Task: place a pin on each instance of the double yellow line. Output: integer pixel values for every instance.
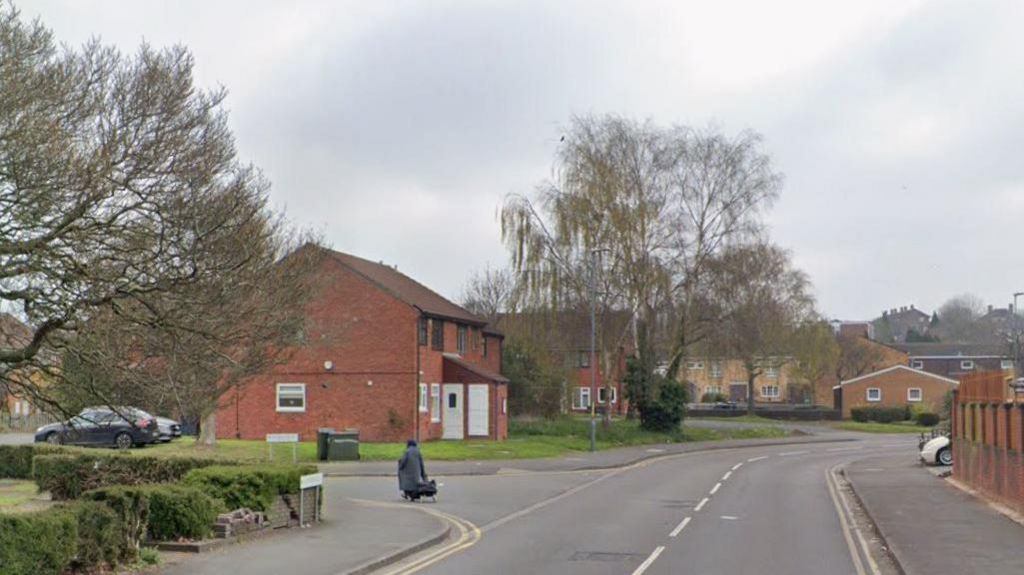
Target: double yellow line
(848, 521)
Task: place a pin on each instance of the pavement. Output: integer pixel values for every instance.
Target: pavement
(931, 526)
(15, 438)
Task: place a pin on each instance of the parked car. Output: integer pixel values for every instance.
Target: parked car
(938, 451)
(169, 429)
(103, 427)
(725, 405)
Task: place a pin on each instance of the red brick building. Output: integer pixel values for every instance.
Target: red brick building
(895, 386)
(383, 354)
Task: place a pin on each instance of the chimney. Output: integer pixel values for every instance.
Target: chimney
(989, 308)
(1010, 306)
(911, 306)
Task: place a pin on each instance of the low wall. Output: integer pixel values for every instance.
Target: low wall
(782, 414)
(988, 450)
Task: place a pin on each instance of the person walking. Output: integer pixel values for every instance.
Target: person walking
(412, 475)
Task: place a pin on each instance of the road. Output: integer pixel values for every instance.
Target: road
(764, 510)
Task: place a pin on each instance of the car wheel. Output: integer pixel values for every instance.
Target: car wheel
(123, 440)
(53, 438)
(945, 456)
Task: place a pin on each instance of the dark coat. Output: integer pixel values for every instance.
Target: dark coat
(411, 473)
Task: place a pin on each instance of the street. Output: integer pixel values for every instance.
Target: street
(752, 510)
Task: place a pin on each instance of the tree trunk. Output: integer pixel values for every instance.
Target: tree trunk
(208, 430)
(750, 395)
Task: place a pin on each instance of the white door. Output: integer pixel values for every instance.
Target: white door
(452, 422)
(479, 409)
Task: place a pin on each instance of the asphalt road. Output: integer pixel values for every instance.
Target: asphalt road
(765, 510)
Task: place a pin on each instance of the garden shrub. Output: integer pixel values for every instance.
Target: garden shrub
(131, 505)
(160, 512)
(38, 543)
(880, 414)
(100, 539)
(927, 419)
(666, 413)
(66, 476)
(859, 414)
(252, 486)
(713, 397)
(16, 460)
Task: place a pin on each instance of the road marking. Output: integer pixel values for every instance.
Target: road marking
(682, 525)
(715, 489)
(785, 453)
(655, 450)
(727, 475)
(753, 459)
(701, 504)
(845, 448)
(845, 520)
(729, 517)
(647, 563)
(737, 466)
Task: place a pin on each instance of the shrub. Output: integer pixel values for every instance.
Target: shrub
(16, 460)
(859, 414)
(131, 506)
(251, 486)
(160, 512)
(713, 397)
(66, 476)
(39, 543)
(880, 414)
(927, 419)
(100, 540)
(665, 414)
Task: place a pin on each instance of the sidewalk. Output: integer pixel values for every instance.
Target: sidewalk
(352, 536)
(605, 459)
(931, 526)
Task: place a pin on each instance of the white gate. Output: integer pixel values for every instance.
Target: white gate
(452, 422)
(479, 410)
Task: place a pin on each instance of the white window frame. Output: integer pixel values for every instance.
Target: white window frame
(577, 398)
(290, 388)
(876, 389)
(435, 402)
(967, 364)
(694, 365)
(713, 388)
(1006, 364)
(771, 372)
(920, 394)
(602, 393)
(424, 407)
(917, 364)
(773, 395)
(716, 370)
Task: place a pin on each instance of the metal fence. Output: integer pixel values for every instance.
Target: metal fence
(24, 423)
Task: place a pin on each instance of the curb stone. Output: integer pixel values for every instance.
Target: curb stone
(886, 541)
(395, 557)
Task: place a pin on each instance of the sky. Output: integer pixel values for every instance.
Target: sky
(395, 129)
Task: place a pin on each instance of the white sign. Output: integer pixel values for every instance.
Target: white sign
(282, 438)
(1018, 385)
(314, 480)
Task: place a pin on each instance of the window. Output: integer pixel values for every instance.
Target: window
(453, 400)
(967, 365)
(695, 365)
(423, 397)
(771, 371)
(291, 397)
(475, 338)
(581, 399)
(423, 331)
(716, 370)
(917, 364)
(602, 394)
(583, 359)
(460, 340)
(437, 334)
(504, 406)
(914, 394)
(485, 345)
(1006, 364)
(713, 389)
(770, 391)
(435, 402)
(874, 394)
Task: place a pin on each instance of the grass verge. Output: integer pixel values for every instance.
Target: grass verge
(16, 494)
(873, 427)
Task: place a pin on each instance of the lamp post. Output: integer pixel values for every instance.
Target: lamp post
(594, 254)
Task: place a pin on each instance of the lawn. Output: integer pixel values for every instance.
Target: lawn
(17, 495)
(744, 419)
(527, 440)
(874, 427)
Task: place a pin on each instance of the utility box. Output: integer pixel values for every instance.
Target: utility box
(343, 445)
(322, 435)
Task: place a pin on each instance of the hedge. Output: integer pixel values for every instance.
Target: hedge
(927, 419)
(880, 414)
(251, 486)
(158, 513)
(16, 460)
(67, 476)
(81, 536)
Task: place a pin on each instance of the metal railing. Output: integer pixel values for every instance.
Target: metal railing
(24, 423)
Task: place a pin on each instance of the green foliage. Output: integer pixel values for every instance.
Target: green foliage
(160, 512)
(66, 476)
(100, 535)
(149, 556)
(713, 397)
(666, 413)
(255, 487)
(39, 543)
(534, 387)
(880, 414)
(131, 505)
(927, 419)
(16, 460)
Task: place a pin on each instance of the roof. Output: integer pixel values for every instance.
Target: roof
(894, 368)
(478, 370)
(952, 350)
(405, 288)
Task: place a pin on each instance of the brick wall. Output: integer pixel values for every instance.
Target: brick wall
(894, 385)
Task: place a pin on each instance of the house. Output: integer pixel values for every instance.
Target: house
(895, 386)
(380, 353)
(15, 334)
(566, 337)
(777, 382)
(954, 360)
(894, 324)
(852, 328)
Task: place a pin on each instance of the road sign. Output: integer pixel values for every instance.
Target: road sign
(282, 438)
(312, 480)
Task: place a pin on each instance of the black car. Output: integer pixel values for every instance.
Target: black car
(103, 427)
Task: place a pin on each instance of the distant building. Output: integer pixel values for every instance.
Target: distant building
(776, 384)
(894, 324)
(895, 386)
(955, 360)
(853, 328)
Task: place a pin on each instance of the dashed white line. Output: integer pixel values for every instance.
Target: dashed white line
(730, 517)
(682, 525)
(647, 563)
(701, 505)
(845, 448)
(727, 475)
(753, 459)
(737, 466)
(785, 453)
(715, 489)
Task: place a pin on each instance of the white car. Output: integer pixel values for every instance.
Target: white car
(937, 451)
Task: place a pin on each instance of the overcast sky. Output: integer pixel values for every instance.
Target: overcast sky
(395, 128)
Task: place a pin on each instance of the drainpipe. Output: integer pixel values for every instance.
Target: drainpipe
(416, 410)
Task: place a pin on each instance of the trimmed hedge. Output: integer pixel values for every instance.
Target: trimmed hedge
(100, 540)
(927, 419)
(16, 460)
(81, 536)
(67, 476)
(880, 414)
(158, 513)
(252, 486)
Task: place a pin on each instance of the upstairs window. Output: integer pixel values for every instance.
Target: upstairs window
(460, 340)
(583, 359)
(437, 334)
(423, 331)
(917, 364)
(1006, 364)
(695, 365)
(967, 365)
(716, 369)
(771, 371)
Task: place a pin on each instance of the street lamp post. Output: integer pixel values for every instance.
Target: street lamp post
(593, 349)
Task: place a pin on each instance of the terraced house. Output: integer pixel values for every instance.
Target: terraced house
(777, 383)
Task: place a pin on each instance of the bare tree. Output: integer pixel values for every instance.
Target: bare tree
(857, 356)
(958, 318)
(490, 292)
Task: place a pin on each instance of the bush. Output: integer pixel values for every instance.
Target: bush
(39, 543)
(251, 486)
(100, 540)
(666, 413)
(880, 414)
(859, 414)
(16, 460)
(161, 512)
(927, 419)
(67, 476)
(713, 397)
